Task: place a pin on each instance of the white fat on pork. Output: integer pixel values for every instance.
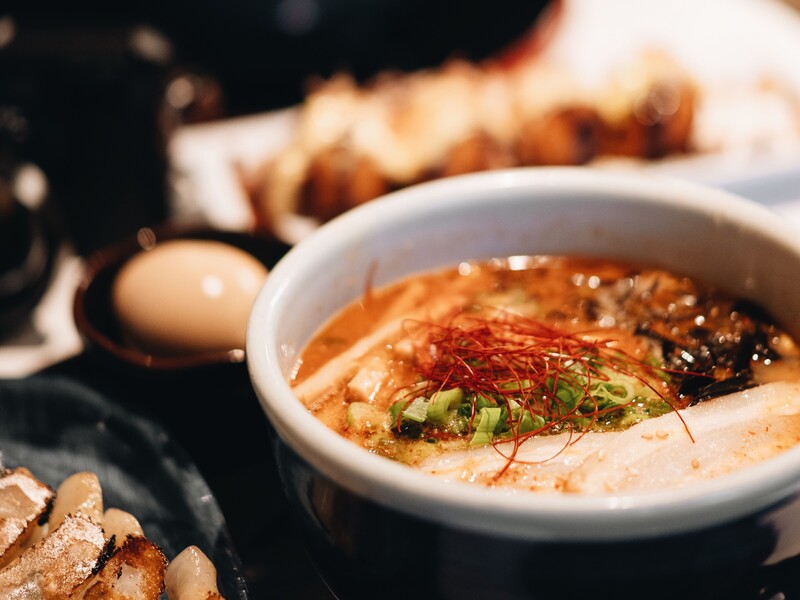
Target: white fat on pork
(727, 434)
(542, 463)
(708, 440)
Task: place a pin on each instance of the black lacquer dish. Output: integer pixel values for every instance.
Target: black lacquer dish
(56, 427)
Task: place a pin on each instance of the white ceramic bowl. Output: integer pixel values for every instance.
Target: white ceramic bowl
(718, 238)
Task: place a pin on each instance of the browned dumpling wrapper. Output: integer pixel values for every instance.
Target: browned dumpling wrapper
(62, 545)
(24, 502)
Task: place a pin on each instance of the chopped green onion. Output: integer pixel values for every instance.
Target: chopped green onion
(441, 402)
(615, 392)
(489, 417)
(482, 402)
(358, 413)
(394, 411)
(417, 410)
(529, 422)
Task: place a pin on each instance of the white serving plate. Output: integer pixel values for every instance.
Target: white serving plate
(205, 178)
(729, 47)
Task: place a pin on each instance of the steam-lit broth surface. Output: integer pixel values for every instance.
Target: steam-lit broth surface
(541, 372)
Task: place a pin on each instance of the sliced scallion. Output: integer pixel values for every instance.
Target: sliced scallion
(441, 402)
(488, 418)
(418, 410)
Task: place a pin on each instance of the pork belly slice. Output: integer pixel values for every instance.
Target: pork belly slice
(727, 433)
(192, 576)
(707, 440)
(133, 572)
(542, 463)
(24, 501)
(54, 567)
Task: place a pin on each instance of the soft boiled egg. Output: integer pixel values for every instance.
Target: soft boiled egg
(187, 296)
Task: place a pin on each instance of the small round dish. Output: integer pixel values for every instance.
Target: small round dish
(94, 313)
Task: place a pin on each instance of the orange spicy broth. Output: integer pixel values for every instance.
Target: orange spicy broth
(547, 343)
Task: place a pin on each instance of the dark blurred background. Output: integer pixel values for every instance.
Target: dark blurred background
(91, 92)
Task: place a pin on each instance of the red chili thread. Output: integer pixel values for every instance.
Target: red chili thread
(522, 359)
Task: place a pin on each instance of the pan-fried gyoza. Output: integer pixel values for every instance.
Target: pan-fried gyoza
(61, 545)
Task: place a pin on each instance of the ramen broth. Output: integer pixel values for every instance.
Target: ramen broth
(526, 371)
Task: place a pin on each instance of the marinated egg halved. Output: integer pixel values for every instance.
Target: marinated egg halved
(187, 296)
